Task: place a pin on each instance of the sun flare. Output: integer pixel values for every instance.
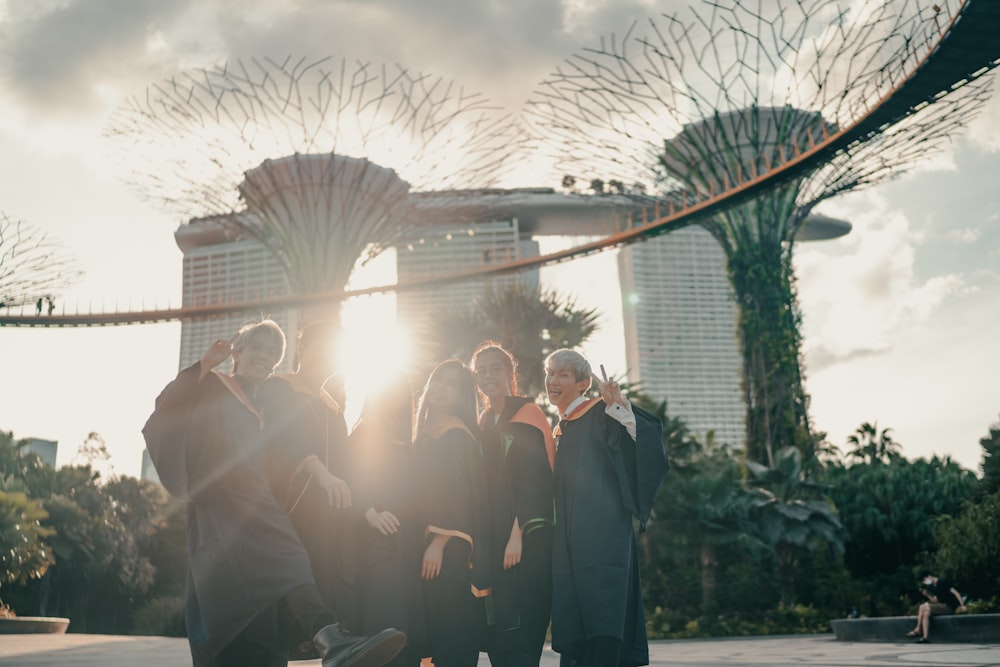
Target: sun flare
(373, 350)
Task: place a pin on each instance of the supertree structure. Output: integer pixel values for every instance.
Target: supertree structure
(689, 106)
(32, 267)
(315, 159)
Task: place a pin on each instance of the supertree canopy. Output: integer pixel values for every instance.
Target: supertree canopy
(698, 104)
(32, 267)
(314, 159)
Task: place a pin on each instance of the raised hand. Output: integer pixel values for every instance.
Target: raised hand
(220, 350)
(610, 391)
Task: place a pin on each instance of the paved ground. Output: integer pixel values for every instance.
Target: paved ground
(791, 651)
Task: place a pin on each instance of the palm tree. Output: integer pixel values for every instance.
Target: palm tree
(702, 506)
(792, 514)
(528, 321)
(873, 445)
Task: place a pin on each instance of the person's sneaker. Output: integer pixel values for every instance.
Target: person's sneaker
(338, 648)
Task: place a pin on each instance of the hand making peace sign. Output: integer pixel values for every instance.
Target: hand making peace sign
(610, 391)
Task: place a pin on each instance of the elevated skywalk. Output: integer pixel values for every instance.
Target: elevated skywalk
(959, 47)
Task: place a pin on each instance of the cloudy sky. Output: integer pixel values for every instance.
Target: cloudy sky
(900, 316)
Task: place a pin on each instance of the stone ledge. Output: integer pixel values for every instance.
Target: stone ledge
(959, 628)
(33, 625)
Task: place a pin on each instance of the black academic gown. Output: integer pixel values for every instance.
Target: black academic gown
(602, 480)
(389, 587)
(205, 439)
(452, 501)
(520, 485)
(301, 425)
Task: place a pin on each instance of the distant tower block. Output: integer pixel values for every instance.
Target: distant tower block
(218, 268)
(459, 248)
(680, 323)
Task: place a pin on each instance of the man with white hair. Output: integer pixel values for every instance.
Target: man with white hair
(609, 464)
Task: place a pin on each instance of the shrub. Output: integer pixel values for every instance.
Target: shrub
(162, 616)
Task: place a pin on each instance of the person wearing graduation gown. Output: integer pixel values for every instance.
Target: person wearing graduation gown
(246, 563)
(609, 464)
(308, 463)
(519, 450)
(390, 546)
(451, 501)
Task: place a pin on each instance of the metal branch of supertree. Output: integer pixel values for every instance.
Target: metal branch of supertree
(764, 109)
(697, 102)
(32, 266)
(314, 159)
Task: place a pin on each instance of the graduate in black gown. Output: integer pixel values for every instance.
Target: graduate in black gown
(246, 563)
(390, 542)
(609, 464)
(518, 450)
(308, 462)
(451, 501)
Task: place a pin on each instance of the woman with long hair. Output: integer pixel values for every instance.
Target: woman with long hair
(518, 450)
(452, 516)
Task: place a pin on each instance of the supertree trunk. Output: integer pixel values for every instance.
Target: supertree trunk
(770, 343)
(314, 160)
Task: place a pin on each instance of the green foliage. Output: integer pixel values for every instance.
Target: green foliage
(527, 321)
(112, 545)
(871, 445)
(889, 508)
(24, 555)
(790, 514)
(969, 548)
(161, 616)
(701, 507)
(763, 281)
(991, 460)
(782, 620)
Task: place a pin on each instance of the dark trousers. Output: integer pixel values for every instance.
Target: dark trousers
(456, 620)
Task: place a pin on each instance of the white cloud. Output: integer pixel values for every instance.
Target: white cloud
(859, 294)
(965, 235)
(984, 129)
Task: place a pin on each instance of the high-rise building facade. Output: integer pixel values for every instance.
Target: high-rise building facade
(455, 248)
(217, 269)
(680, 331)
(45, 449)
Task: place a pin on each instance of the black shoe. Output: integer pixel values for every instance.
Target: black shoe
(923, 640)
(338, 648)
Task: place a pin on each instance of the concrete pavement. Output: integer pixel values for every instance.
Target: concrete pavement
(73, 650)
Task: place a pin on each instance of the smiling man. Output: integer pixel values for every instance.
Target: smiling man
(247, 568)
(609, 464)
